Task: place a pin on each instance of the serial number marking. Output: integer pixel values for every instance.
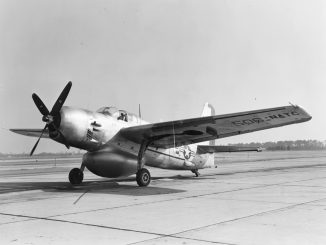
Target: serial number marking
(258, 120)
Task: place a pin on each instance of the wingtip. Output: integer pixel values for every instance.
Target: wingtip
(308, 116)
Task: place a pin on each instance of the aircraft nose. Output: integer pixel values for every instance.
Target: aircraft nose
(74, 124)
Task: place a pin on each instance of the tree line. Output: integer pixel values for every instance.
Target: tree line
(288, 145)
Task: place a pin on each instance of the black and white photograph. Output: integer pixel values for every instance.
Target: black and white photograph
(163, 122)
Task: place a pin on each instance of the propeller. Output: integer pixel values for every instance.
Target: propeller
(49, 117)
(38, 140)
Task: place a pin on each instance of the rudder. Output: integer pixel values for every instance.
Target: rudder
(208, 110)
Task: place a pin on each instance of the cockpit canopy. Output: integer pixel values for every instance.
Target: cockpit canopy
(108, 110)
(118, 114)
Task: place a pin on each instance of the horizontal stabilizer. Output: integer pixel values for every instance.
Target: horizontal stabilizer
(203, 149)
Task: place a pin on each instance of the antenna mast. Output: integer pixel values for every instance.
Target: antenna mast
(139, 114)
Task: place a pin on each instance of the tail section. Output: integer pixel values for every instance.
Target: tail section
(206, 160)
(208, 110)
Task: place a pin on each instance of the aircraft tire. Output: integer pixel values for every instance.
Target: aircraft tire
(143, 177)
(76, 176)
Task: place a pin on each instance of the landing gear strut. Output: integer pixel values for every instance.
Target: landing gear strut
(195, 171)
(143, 177)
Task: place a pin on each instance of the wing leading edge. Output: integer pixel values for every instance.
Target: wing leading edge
(31, 132)
(195, 130)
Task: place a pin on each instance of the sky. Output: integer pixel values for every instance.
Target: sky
(169, 56)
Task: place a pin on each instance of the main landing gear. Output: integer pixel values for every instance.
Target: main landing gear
(143, 177)
(76, 175)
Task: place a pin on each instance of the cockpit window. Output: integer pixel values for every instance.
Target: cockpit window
(114, 112)
(110, 111)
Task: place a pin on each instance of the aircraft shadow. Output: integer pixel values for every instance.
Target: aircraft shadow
(119, 186)
(104, 187)
(113, 187)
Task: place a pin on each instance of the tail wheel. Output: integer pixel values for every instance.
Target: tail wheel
(195, 171)
(76, 176)
(143, 177)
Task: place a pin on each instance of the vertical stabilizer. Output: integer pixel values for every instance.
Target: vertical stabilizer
(208, 110)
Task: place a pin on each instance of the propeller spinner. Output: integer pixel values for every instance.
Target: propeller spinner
(50, 117)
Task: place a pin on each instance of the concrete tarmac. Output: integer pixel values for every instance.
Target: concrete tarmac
(250, 198)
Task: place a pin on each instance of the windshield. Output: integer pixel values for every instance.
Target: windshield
(108, 110)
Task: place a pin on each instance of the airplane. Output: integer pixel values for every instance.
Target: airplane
(119, 143)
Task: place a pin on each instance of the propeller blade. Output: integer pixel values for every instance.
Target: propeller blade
(61, 100)
(38, 140)
(40, 105)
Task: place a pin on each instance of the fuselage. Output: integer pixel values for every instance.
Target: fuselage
(109, 156)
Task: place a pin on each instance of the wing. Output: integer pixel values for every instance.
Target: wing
(202, 149)
(32, 132)
(195, 130)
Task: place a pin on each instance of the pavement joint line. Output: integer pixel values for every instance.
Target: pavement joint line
(168, 200)
(175, 235)
(253, 176)
(268, 169)
(161, 235)
(284, 183)
(51, 218)
(194, 196)
(263, 170)
(270, 159)
(259, 201)
(250, 216)
(178, 237)
(17, 221)
(33, 218)
(317, 186)
(182, 198)
(199, 240)
(159, 201)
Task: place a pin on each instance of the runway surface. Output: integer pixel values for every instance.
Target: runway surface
(250, 198)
